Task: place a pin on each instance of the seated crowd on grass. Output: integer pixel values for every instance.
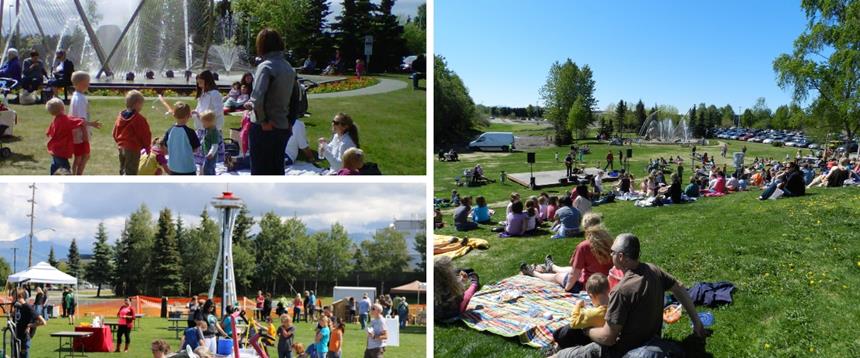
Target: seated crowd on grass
(271, 135)
(626, 320)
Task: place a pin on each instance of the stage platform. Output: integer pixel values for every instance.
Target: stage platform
(178, 83)
(552, 178)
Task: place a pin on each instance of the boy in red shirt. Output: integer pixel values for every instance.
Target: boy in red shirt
(63, 133)
(131, 133)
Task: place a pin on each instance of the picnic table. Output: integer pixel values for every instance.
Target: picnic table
(71, 336)
(174, 325)
(100, 341)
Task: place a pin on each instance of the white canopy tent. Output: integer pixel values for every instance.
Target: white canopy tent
(43, 272)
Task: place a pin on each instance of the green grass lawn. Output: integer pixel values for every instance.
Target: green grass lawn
(795, 262)
(521, 129)
(412, 339)
(392, 128)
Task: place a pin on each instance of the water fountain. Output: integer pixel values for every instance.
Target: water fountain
(665, 130)
(227, 52)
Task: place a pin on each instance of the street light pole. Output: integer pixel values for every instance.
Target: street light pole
(32, 202)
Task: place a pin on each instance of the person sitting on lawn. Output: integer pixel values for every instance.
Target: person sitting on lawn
(461, 215)
(675, 189)
(233, 95)
(452, 290)
(582, 203)
(12, 67)
(551, 208)
(515, 197)
(589, 257)
(532, 221)
(543, 205)
(790, 181)
(634, 314)
(515, 224)
(625, 183)
(481, 214)
(692, 190)
(63, 133)
(33, 73)
(345, 136)
(131, 133)
(181, 142)
(717, 184)
(572, 335)
(353, 161)
(567, 219)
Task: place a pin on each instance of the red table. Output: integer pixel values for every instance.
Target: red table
(101, 340)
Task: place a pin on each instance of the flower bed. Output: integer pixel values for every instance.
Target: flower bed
(348, 84)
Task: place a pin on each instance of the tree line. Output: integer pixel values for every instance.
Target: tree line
(306, 29)
(164, 256)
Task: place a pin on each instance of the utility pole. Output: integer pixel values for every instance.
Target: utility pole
(32, 216)
(14, 259)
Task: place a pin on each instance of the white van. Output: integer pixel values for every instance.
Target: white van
(504, 141)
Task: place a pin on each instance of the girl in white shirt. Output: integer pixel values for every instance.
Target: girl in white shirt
(345, 137)
(208, 99)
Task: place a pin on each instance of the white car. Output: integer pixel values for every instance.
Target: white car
(767, 141)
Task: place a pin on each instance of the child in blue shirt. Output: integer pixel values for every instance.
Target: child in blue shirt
(182, 142)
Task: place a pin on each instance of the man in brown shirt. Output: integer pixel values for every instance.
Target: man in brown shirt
(635, 312)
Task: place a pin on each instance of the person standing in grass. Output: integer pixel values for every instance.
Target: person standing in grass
(211, 141)
(285, 337)
(270, 101)
(634, 316)
(26, 320)
(335, 343)
(181, 142)
(80, 108)
(70, 306)
(323, 336)
(376, 334)
(297, 308)
(131, 133)
(62, 134)
(363, 310)
(403, 311)
(124, 324)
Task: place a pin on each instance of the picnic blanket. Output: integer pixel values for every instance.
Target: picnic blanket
(521, 306)
(298, 168)
(445, 245)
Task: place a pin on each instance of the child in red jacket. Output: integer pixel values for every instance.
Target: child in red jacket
(131, 133)
(63, 133)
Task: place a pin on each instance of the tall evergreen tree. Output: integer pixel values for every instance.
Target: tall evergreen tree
(351, 26)
(166, 267)
(388, 43)
(132, 248)
(641, 116)
(620, 113)
(100, 270)
(242, 227)
(74, 260)
(52, 259)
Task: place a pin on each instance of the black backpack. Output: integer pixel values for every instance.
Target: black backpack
(298, 102)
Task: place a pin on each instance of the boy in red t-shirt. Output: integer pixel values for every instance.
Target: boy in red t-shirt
(131, 133)
(63, 133)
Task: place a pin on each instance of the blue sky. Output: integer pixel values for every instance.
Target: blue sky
(74, 210)
(668, 52)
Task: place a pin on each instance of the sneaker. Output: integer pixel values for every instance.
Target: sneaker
(548, 264)
(527, 269)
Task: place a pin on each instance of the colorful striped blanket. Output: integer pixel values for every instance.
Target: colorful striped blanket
(521, 306)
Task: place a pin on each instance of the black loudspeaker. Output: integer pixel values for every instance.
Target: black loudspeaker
(629, 153)
(530, 157)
